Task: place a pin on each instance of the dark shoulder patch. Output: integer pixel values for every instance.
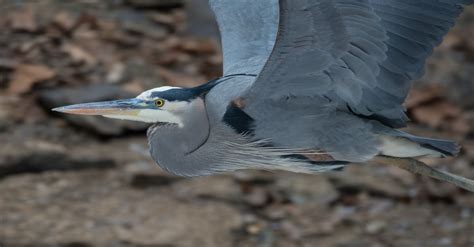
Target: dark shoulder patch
(236, 118)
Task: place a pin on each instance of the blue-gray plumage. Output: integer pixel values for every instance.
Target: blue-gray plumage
(308, 86)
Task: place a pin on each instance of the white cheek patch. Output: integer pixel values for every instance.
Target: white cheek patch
(160, 116)
(150, 116)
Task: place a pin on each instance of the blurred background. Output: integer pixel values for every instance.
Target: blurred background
(89, 181)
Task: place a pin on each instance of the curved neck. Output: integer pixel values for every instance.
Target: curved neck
(176, 149)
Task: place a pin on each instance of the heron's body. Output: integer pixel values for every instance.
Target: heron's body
(210, 142)
(308, 86)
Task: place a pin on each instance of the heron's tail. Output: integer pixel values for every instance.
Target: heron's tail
(404, 145)
(446, 147)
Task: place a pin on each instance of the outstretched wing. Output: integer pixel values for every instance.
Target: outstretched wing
(360, 54)
(248, 31)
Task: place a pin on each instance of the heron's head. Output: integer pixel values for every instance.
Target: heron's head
(158, 105)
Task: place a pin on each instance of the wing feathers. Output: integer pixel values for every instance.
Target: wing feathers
(363, 53)
(345, 45)
(248, 29)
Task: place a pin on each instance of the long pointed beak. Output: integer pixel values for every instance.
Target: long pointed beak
(116, 107)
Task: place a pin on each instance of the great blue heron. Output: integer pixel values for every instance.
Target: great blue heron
(308, 86)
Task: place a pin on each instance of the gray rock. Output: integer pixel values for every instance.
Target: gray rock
(34, 156)
(375, 227)
(3, 125)
(143, 181)
(371, 179)
(258, 197)
(303, 188)
(100, 92)
(218, 188)
(154, 3)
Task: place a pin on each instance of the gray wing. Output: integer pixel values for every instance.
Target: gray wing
(248, 30)
(360, 54)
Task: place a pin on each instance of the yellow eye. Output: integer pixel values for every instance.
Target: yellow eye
(159, 102)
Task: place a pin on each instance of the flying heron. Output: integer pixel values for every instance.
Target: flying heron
(308, 86)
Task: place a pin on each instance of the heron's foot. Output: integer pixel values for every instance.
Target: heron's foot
(418, 167)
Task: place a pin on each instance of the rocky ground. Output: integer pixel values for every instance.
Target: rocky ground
(68, 181)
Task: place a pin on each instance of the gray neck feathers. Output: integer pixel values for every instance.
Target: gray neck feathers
(179, 149)
(205, 145)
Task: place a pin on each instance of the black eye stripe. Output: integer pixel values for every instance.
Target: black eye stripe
(184, 94)
(188, 94)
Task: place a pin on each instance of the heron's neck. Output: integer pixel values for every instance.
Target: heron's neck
(176, 149)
